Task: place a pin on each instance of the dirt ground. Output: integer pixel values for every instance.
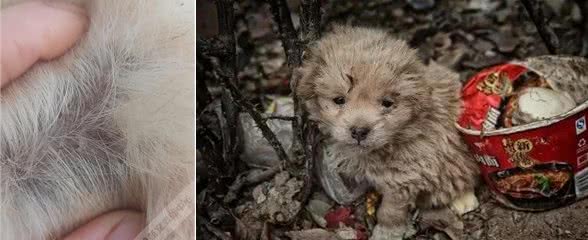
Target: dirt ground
(492, 221)
(465, 35)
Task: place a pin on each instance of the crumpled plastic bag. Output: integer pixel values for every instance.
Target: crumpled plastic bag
(343, 190)
(257, 152)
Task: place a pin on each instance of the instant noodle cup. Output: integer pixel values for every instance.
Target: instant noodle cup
(526, 124)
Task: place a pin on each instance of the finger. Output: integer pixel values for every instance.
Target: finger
(119, 225)
(35, 31)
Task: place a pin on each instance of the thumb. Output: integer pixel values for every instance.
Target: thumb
(36, 30)
(118, 225)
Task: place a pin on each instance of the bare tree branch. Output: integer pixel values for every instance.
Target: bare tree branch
(310, 20)
(305, 132)
(247, 179)
(535, 10)
(288, 35)
(228, 73)
(279, 117)
(260, 121)
(232, 97)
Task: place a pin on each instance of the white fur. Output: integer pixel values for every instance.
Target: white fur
(107, 126)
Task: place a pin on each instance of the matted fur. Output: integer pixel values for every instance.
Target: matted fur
(107, 126)
(413, 154)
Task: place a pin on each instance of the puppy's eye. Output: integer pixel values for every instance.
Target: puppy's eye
(387, 103)
(339, 100)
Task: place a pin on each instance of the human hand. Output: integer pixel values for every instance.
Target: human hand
(34, 31)
(118, 225)
(37, 31)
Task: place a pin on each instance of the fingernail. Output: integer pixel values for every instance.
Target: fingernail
(128, 228)
(78, 10)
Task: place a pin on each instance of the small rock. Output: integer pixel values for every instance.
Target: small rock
(279, 217)
(441, 236)
(483, 5)
(470, 37)
(318, 209)
(515, 217)
(346, 233)
(468, 217)
(490, 53)
(451, 58)
(477, 234)
(306, 224)
(556, 5)
(398, 12)
(483, 45)
(273, 203)
(504, 41)
(481, 61)
(281, 178)
(409, 20)
(502, 15)
(258, 194)
(441, 41)
(460, 34)
(315, 233)
(576, 14)
(426, 52)
(421, 4)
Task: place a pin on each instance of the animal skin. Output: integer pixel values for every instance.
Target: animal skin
(390, 119)
(109, 125)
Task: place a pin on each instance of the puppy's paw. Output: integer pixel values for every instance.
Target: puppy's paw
(465, 203)
(396, 233)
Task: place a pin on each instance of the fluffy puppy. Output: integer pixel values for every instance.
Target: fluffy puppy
(109, 125)
(391, 119)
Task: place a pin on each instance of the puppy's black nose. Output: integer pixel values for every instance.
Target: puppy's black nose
(359, 133)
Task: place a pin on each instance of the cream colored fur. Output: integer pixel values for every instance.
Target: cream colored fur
(412, 154)
(107, 126)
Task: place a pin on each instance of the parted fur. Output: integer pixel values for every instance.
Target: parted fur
(109, 125)
(412, 154)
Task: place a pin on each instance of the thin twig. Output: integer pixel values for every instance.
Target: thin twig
(247, 179)
(228, 74)
(310, 20)
(304, 132)
(535, 10)
(285, 118)
(231, 96)
(287, 32)
(260, 121)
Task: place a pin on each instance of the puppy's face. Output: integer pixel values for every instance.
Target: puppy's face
(359, 102)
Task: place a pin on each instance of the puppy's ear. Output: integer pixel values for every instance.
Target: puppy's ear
(305, 84)
(306, 77)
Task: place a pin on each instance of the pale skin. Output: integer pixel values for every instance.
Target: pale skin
(39, 31)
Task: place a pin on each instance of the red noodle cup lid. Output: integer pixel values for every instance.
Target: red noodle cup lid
(484, 92)
(534, 166)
